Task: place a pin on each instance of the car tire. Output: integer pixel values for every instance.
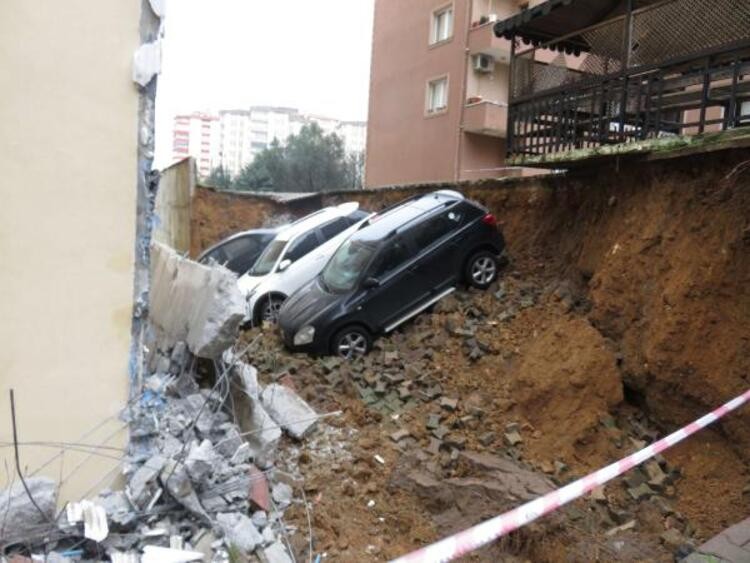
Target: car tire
(481, 269)
(268, 309)
(351, 342)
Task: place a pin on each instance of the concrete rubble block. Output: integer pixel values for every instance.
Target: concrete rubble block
(269, 536)
(118, 508)
(282, 494)
(276, 553)
(200, 460)
(512, 439)
(239, 531)
(175, 479)
(191, 302)
(248, 378)
(19, 515)
(194, 407)
(230, 441)
(288, 410)
(142, 483)
(260, 519)
(265, 432)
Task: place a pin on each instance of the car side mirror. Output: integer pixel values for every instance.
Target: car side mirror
(284, 264)
(371, 283)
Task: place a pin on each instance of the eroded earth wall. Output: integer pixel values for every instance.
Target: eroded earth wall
(661, 251)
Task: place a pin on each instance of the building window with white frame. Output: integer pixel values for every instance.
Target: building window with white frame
(442, 24)
(437, 95)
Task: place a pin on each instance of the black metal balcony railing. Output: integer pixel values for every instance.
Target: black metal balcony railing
(675, 67)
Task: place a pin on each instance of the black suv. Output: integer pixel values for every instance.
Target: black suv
(396, 265)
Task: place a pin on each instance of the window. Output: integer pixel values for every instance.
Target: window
(442, 25)
(437, 95)
(301, 246)
(435, 228)
(268, 258)
(395, 255)
(334, 227)
(240, 254)
(342, 272)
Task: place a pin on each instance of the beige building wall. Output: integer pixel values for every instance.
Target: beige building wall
(68, 138)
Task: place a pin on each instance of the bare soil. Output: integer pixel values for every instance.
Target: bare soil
(625, 313)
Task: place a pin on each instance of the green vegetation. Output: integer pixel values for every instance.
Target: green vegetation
(311, 161)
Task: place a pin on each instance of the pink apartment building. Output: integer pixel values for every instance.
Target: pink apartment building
(438, 92)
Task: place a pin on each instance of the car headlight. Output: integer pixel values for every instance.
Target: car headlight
(304, 335)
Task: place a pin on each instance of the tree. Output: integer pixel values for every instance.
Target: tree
(264, 172)
(220, 178)
(355, 170)
(310, 161)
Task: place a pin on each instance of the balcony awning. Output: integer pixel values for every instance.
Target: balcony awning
(560, 18)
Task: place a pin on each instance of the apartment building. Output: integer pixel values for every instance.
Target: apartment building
(232, 138)
(438, 91)
(197, 134)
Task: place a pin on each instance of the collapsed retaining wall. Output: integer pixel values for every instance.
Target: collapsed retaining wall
(661, 249)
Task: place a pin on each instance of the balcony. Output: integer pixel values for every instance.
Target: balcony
(486, 118)
(482, 40)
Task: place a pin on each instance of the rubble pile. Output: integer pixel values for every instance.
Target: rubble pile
(194, 483)
(477, 378)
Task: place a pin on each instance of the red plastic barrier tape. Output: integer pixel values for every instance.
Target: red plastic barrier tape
(464, 542)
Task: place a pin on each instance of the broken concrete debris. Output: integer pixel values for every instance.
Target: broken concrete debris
(190, 472)
(288, 410)
(194, 303)
(20, 514)
(239, 531)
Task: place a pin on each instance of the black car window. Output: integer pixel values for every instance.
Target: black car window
(332, 228)
(395, 254)
(240, 254)
(469, 212)
(436, 227)
(301, 246)
(356, 216)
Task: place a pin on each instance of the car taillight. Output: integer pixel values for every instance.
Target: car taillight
(490, 220)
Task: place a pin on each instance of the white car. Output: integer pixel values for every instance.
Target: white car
(297, 254)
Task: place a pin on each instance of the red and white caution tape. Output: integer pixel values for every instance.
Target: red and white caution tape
(464, 542)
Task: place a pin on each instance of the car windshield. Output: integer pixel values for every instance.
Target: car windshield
(268, 258)
(343, 271)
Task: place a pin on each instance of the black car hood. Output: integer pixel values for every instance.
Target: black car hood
(305, 305)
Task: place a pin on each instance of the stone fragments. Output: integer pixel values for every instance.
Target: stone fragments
(239, 531)
(19, 513)
(288, 410)
(276, 553)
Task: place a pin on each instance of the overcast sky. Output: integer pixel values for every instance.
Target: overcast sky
(223, 54)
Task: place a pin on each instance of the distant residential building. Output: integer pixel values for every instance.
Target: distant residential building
(197, 135)
(234, 137)
(439, 91)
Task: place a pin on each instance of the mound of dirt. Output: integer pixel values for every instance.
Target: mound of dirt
(566, 380)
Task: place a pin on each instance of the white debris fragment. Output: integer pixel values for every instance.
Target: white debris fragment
(147, 62)
(289, 410)
(156, 554)
(93, 516)
(379, 458)
(195, 303)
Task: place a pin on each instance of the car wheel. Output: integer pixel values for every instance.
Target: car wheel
(269, 311)
(352, 342)
(481, 270)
